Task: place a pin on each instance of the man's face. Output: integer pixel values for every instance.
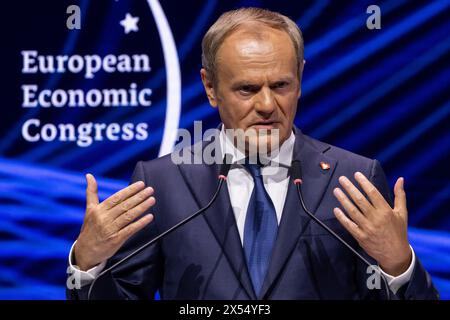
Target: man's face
(257, 84)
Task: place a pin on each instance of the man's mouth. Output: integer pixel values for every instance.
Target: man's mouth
(265, 124)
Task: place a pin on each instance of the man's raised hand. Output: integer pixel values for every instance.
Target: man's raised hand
(379, 229)
(107, 225)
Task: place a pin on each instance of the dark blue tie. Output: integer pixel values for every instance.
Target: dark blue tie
(260, 230)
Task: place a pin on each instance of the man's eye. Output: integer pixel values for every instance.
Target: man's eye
(247, 89)
(280, 85)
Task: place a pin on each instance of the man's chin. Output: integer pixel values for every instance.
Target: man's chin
(263, 143)
(252, 141)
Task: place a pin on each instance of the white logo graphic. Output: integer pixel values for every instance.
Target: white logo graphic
(130, 23)
(173, 79)
(374, 20)
(74, 20)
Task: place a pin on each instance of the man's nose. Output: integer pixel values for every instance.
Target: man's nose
(265, 102)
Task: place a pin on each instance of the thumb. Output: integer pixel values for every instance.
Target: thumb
(91, 191)
(400, 196)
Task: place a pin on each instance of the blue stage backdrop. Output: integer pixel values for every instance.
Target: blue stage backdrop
(99, 98)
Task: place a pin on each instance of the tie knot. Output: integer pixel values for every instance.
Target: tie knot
(254, 169)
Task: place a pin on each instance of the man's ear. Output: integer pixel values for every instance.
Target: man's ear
(209, 88)
(300, 72)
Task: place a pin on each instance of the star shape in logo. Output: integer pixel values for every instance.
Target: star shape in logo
(130, 23)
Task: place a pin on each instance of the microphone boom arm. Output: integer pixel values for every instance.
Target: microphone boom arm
(296, 174)
(226, 164)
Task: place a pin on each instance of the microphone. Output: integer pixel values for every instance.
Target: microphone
(296, 175)
(223, 172)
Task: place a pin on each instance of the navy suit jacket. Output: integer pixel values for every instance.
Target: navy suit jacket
(204, 259)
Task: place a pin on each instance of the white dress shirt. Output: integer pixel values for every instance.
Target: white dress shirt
(240, 186)
(240, 182)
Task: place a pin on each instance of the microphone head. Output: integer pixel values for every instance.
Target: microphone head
(296, 172)
(225, 167)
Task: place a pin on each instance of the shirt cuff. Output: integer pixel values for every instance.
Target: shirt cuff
(85, 277)
(397, 282)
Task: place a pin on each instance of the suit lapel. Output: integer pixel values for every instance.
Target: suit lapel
(202, 182)
(294, 220)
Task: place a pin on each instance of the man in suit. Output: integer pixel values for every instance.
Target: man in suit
(255, 241)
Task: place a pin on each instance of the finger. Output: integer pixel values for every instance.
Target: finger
(400, 195)
(350, 208)
(134, 227)
(376, 198)
(130, 216)
(358, 198)
(348, 224)
(91, 191)
(130, 203)
(123, 194)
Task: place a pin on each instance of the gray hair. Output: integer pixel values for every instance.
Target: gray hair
(232, 20)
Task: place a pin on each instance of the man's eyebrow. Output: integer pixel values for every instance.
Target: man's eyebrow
(283, 79)
(241, 83)
(244, 83)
